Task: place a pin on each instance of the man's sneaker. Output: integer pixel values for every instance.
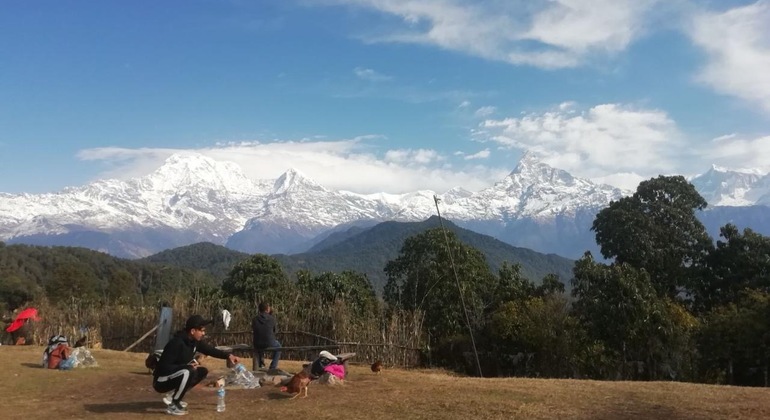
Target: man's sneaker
(175, 410)
(167, 399)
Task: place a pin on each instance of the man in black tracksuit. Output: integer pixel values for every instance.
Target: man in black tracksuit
(177, 370)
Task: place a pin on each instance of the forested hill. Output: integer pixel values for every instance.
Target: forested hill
(29, 272)
(369, 250)
(215, 259)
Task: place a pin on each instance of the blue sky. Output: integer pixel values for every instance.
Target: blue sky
(382, 95)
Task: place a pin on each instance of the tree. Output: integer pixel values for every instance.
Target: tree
(122, 286)
(422, 278)
(73, 280)
(618, 305)
(656, 230)
(538, 333)
(15, 292)
(551, 285)
(259, 278)
(735, 341)
(512, 286)
(350, 287)
(740, 261)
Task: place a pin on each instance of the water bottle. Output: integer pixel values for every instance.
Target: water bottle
(221, 399)
(244, 373)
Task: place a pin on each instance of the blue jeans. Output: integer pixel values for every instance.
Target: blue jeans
(276, 356)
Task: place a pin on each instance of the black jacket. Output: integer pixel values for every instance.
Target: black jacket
(318, 366)
(263, 330)
(179, 352)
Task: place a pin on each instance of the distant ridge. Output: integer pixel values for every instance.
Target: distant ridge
(368, 251)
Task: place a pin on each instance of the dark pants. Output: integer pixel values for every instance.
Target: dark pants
(180, 381)
(276, 356)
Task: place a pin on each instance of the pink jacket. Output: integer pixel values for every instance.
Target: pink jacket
(336, 370)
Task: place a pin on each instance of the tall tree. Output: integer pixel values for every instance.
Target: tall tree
(422, 278)
(656, 229)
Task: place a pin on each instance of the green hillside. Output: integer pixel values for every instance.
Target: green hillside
(214, 259)
(369, 250)
(29, 272)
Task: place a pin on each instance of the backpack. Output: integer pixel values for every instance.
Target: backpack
(61, 358)
(53, 344)
(151, 362)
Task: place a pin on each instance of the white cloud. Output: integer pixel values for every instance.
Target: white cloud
(552, 34)
(579, 25)
(737, 43)
(604, 140)
(348, 164)
(370, 75)
(464, 104)
(483, 154)
(412, 156)
(735, 152)
(626, 181)
(485, 111)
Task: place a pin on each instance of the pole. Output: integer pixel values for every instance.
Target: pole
(147, 334)
(459, 289)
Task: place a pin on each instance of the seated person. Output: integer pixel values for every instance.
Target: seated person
(263, 329)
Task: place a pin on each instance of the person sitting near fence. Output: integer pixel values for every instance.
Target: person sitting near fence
(177, 370)
(263, 329)
(331, 364)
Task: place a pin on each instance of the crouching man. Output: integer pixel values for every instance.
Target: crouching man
(177, 370)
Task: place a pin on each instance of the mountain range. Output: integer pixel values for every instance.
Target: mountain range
(192, 198)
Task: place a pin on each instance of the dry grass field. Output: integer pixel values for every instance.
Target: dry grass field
(121, 388)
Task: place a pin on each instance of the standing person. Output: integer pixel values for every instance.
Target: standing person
(178, 371)
(263, 328)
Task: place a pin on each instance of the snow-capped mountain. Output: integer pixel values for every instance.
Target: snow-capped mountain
(725, 187)
(192, 198)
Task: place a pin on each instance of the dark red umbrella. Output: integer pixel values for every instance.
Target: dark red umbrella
(29, 313)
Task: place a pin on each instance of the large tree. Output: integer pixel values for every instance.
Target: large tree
(422, 278)
(656, 230)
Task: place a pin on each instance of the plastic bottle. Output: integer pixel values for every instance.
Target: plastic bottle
(221, 399)
(244, 373)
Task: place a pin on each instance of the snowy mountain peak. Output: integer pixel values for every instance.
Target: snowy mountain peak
(293, 180)
(722, 169)
(532, 170)
(195, 171)
(728, 187)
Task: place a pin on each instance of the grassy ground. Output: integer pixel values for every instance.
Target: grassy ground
(121, 388)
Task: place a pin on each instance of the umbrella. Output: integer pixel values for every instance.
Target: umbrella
(29, 313)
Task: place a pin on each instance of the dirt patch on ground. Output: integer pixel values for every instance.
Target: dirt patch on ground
(121, 388)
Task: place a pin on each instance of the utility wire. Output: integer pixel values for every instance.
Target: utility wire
(459, 289)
